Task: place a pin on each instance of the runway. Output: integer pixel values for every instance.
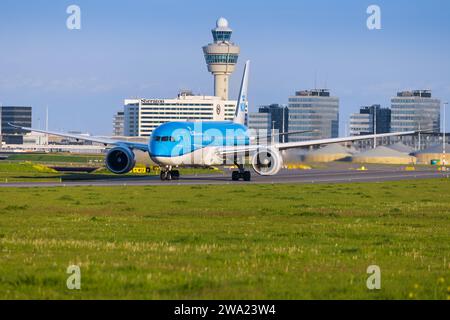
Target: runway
(285, 176)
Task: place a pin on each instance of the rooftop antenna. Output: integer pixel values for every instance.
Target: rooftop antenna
(46, 118)
(46, 125)
(315, 79)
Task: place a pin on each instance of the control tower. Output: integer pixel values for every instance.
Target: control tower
(221, 57)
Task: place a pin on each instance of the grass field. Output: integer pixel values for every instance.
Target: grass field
(11, 172)
(57, 157)
(249, 242)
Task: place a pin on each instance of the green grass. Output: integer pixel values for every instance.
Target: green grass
(227, 242)
(26, 171)
(11, 172)
(59, 158)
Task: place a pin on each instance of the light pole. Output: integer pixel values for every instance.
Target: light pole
(375, 127)
(1, 125)
(273, 132)
(444, 162)
(282, 139)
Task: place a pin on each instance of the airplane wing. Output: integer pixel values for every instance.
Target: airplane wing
(292, 145)
(289, 133)
(227, 150)
(102, 140)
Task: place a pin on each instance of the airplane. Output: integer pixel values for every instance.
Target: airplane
(207, 143)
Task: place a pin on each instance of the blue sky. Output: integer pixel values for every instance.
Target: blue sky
(152, 49)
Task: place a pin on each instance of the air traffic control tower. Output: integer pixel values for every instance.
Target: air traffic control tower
(221, 57)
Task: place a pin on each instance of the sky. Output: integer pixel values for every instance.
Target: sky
(152, 49)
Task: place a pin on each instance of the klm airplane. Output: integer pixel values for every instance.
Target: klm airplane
(206, 143)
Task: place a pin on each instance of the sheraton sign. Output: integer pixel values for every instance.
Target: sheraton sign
(152, 101)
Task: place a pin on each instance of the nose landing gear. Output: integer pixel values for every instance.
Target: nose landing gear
(169, 174)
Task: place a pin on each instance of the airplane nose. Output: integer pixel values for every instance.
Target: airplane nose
(159, 149)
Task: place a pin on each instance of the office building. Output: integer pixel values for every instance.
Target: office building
(272, 117)
(368, 118)
(413, 110)
(360, 124)
(17, 115)
(315, 111)
(221, 57)
(118, 124)
(260, 123)
(142, 116)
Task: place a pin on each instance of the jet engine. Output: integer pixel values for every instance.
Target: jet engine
(120, 160)
(267, 161)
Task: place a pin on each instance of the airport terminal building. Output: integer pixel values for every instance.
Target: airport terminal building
(142, 116)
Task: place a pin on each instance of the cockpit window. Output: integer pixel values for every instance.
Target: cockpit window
(164, 138)
(167, 138)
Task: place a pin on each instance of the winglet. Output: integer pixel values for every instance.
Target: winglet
(242, 104)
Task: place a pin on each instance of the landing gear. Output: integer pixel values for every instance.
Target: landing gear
(167, 175)
(175, 175)
(241, 174)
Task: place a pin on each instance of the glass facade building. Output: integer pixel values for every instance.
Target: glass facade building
(368, 118)
(268, 118)
(315, 111)
(261, 122)
(413, 110)
(17, 115)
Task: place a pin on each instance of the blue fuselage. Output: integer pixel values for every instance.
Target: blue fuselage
(180, 139)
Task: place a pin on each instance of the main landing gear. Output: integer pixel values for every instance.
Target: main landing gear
(241, 174)
(169, 174)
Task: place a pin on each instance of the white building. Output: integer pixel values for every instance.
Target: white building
(360, 123)
(35, 138)
(118, 124)
(142, 116)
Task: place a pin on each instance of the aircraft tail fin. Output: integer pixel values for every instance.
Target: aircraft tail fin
(242, 104)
